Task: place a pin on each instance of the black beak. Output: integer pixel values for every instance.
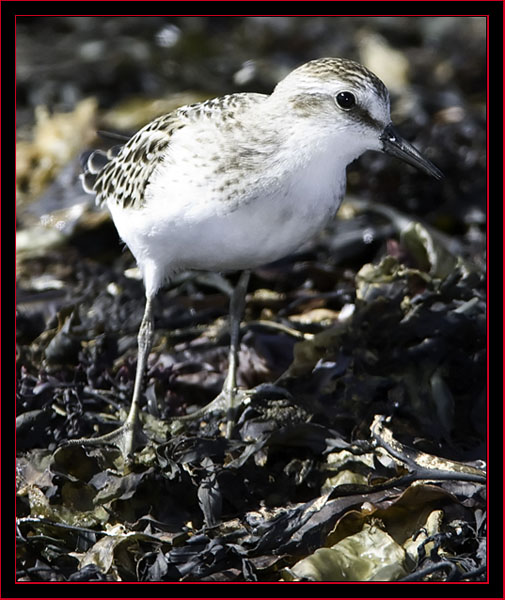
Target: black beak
(394, 144)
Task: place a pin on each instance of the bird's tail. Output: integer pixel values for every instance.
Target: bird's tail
(93, 162)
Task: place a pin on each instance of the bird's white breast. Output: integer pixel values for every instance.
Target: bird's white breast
(190, 222)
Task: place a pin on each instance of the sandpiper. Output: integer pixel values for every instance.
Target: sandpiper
(239, 181)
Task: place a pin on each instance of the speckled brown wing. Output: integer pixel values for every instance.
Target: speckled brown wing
(123, 176)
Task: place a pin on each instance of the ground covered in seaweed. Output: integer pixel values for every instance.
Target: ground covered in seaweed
(359, 451)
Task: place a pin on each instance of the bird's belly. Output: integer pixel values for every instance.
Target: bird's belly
(253, 233)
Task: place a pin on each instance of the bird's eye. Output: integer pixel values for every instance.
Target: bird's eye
(346, 100)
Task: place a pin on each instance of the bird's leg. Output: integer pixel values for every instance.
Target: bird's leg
(237, 306)
(145, 343)
(130, 434)
(226, 398)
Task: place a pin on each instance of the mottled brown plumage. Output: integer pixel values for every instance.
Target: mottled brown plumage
(124, 175)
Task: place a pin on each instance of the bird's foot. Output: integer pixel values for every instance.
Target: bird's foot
(230, 401)
(227, 402)
(126, 438)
